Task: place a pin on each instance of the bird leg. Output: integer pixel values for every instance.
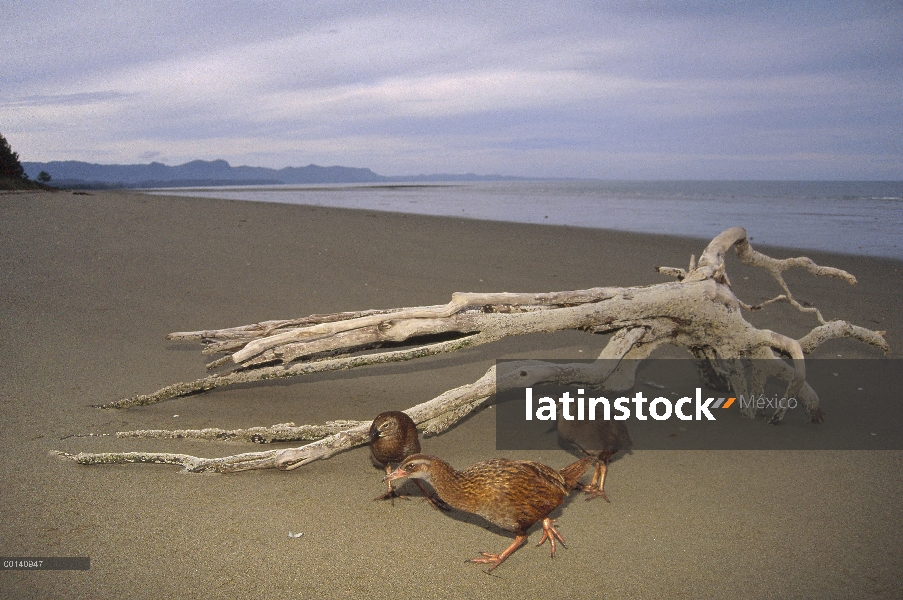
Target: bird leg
(550, 533)
(391, 494)
(596, 487)
(497, 559)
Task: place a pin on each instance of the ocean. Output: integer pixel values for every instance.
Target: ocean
(861, 218)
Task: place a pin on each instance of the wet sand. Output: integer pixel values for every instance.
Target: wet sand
(91, 283)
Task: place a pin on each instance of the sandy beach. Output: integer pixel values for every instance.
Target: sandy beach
(91, 283)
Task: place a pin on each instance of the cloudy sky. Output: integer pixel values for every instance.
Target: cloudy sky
(595, 89)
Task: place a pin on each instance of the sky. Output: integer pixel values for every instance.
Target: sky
(594, 89)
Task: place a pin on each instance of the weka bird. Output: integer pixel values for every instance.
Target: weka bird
(393, 437)
(599, 438)
(513, 494)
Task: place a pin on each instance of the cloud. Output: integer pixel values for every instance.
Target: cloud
(58, 100)
(536, 88)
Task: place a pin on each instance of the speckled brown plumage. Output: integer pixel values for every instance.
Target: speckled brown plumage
(513, 494)
(599, 438)
(393, 437)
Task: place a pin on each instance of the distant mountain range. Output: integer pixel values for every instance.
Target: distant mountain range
(197, 173)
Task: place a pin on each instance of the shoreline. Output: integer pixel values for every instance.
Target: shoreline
(640, 207)
(162, 192)
(91, 284)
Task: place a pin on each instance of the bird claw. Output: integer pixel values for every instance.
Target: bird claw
(497, 559)
(593, 492)
(488, 557)
(550, 533)
(391, 495)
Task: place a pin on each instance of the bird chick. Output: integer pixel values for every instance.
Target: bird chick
(599, 438)
(393, 437)
(512, 494)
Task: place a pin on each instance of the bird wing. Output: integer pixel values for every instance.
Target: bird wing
(546, 475)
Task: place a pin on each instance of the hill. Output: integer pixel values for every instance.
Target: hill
(195, 173)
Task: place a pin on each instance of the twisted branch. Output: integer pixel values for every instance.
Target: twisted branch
(699, 311)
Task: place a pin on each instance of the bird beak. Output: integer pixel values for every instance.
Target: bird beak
(396, 474)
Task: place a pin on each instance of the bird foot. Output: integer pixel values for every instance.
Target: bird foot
(550, 533)
(391, 495)
(593, 492)
(487, 558)
(497, 559)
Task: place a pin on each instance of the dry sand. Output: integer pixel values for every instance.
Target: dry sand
(91, 284)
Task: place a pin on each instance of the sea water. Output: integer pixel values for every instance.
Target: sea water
(863, 218)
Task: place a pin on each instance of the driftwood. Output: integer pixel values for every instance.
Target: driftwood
(698, 311)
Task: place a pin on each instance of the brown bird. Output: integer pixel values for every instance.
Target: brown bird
(599, 438)
(393, 437)
(513, 494)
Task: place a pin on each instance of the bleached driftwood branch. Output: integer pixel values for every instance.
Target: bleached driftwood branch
(699, 311)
